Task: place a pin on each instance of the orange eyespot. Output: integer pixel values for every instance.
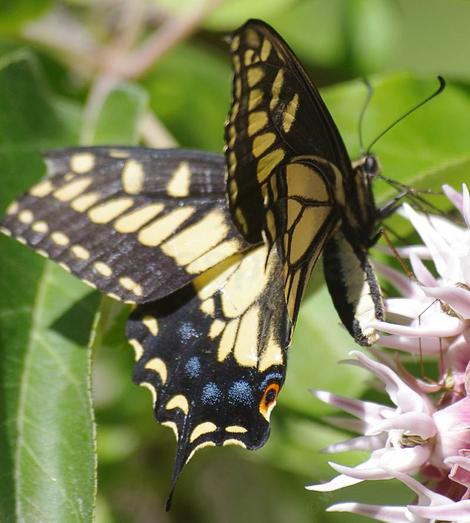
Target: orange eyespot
(268, 401)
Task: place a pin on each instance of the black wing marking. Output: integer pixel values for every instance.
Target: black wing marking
(136, 223)
(214, 354)
(277, 114)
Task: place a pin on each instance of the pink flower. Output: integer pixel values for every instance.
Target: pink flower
(426, 430)
(460, 470)
(453, 429)
(434, 311)
(400, 438)
(429, 507)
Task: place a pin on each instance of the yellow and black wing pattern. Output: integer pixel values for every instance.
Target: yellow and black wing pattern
(211, 328)
(214, 354)
(277, 115)
(286, 161)
(291, 181)
(136, 223)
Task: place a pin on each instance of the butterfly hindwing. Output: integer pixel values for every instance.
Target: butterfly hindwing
(353, 287)
(136, 223)
(300, 221)
(214, 353)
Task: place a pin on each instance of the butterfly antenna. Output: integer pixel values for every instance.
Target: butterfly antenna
(442, 85)
(363, 112)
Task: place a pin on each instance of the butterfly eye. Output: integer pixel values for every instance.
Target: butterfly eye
(371, 167)
(268, 401)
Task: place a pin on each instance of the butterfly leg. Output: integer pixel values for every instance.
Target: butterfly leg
(391, 206)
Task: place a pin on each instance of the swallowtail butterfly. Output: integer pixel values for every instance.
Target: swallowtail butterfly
(217, 254)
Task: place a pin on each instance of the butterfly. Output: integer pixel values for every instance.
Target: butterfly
(216, 254)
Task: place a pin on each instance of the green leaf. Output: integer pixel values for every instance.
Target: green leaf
(236, 12)
(435, 43)
(118, 120)
(327, 44)
(47, 437)
(14, 13)
(377, 22)
(294, 437)
(229, 15)
(190, 91)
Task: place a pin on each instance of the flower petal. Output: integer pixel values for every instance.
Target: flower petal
(457, 512)
(364, 410)
(402, 283)
(411, 308)
(453, 424)
(346, 423)
(466, 204)
(422, 273)
(412, 423)
(454, 196)
(405, 459)
(452, 232)
(415, 345)
(401, 394)
(380, 513)
(444, 326)
(458, 353)
(438, 247)
(460, 471)
(384, 463)
(336, 483)
(363, 443)
(425, 496)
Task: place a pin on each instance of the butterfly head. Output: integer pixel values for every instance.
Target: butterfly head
(369, 166)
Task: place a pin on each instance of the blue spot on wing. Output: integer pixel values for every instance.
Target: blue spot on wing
(211, 394)
(240, 392)
(193, 367)
(187, 331)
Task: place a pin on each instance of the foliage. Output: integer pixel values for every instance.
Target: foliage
(47, 439)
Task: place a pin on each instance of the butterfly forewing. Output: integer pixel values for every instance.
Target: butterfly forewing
(136, 223)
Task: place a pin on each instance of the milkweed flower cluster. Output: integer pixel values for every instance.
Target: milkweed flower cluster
(423, 438)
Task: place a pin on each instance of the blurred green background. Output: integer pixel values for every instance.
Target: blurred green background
(69, 75)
